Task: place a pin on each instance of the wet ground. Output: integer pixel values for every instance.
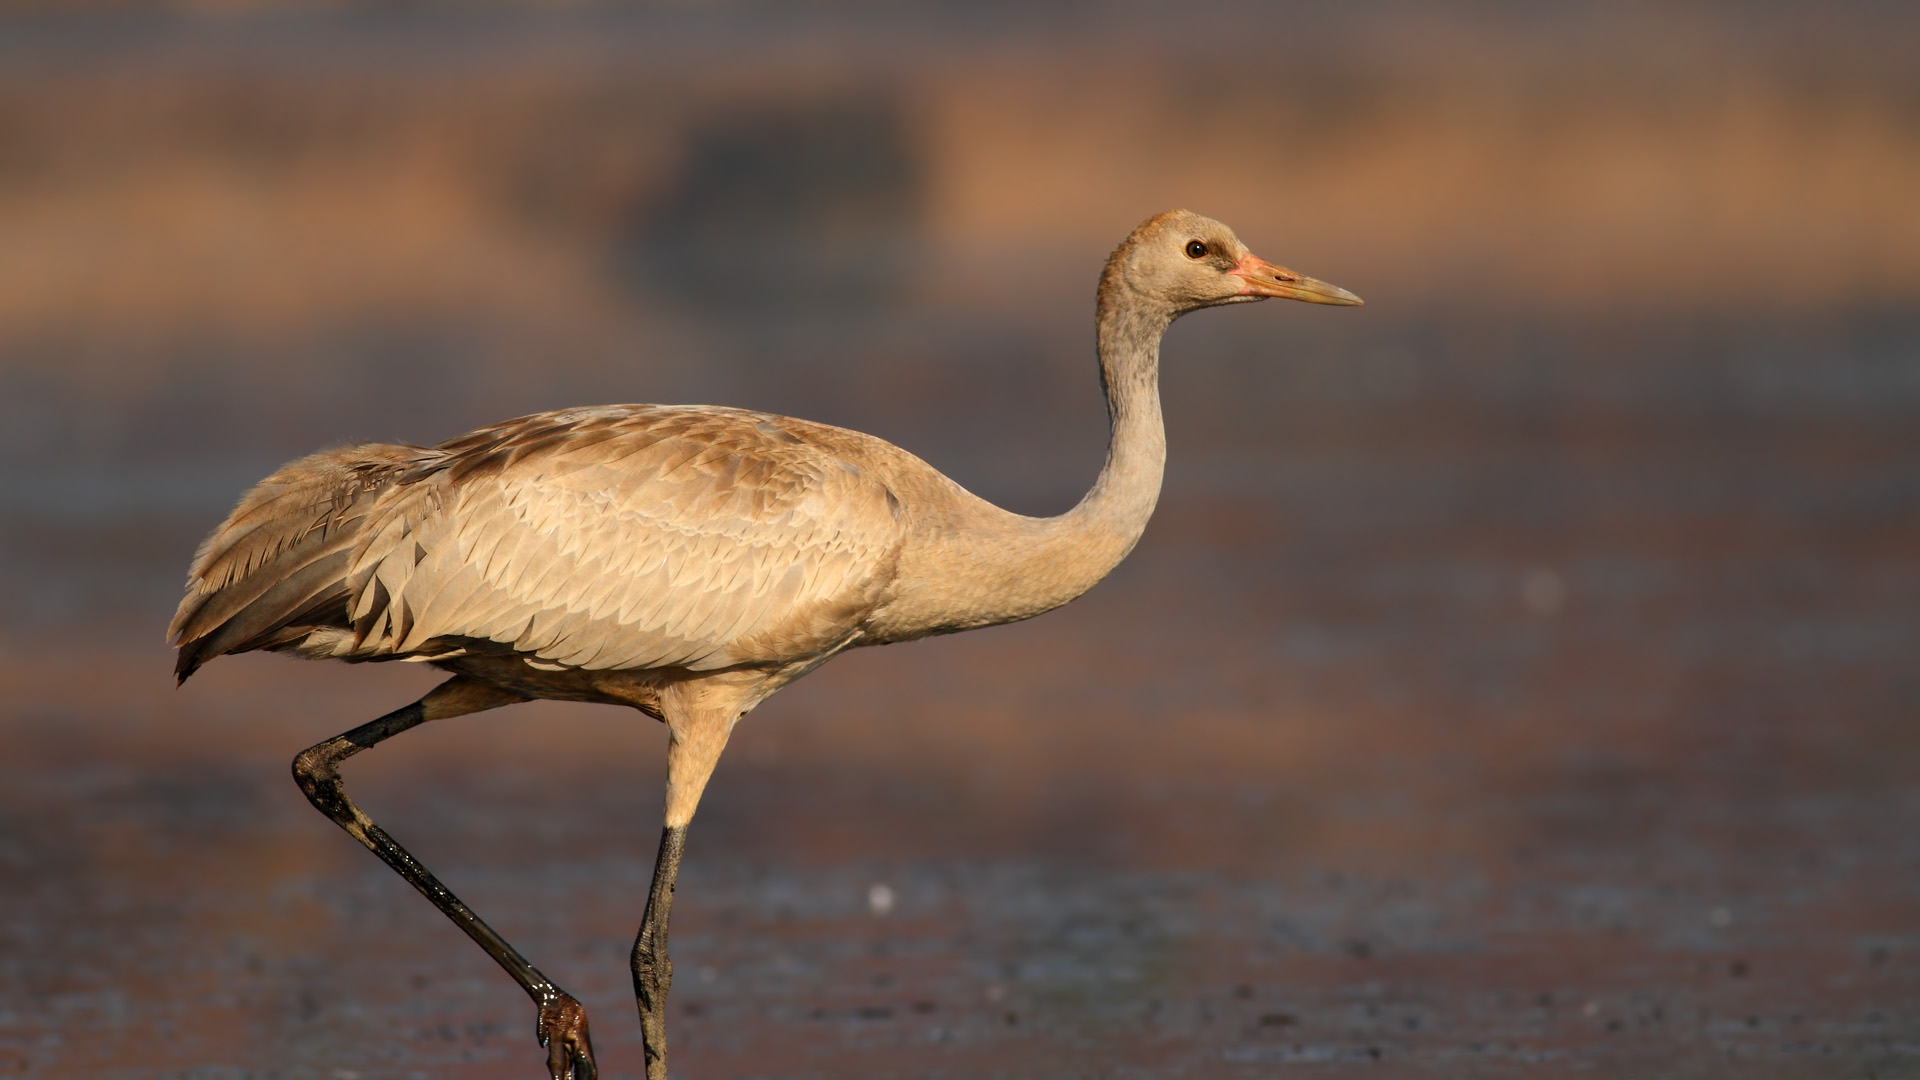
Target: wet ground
(1518, 678)
(1509, 733)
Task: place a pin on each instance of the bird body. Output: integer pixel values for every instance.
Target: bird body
(547, 551)
(688, 561)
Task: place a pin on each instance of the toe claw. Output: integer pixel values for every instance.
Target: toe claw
(563, 1031)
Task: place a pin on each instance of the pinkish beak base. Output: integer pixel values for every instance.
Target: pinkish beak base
(1265, 279)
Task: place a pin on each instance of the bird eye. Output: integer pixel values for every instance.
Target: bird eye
(1196, 250)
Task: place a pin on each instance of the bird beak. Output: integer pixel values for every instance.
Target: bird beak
(1265, 279)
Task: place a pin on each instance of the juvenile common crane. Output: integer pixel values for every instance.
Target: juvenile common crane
(687, 561)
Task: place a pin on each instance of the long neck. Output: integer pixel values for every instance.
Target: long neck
(1024, 566)
(1097, 533)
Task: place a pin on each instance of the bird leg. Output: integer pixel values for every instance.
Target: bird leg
(562, 1024)
(652, 967)
(692, 751)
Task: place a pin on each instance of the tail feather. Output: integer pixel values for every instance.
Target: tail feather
(204, 610)
(281, 557)
(263, 526)
(253, 625)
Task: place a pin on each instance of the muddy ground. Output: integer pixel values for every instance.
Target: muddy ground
(1513, 682)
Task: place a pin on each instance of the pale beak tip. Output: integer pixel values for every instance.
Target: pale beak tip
(1320, 292)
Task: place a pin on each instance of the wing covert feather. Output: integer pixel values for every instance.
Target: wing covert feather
(626, 537)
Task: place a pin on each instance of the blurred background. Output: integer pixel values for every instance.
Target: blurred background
(1518, 678)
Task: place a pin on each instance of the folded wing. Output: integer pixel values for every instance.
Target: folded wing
(615, 537)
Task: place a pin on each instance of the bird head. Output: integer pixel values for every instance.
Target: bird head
(1187, 261)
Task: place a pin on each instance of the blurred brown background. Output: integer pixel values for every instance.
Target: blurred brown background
(1518, 679)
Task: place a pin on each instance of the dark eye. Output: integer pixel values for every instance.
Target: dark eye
(1196, 250)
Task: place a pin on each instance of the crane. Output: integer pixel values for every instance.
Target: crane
(685, 561)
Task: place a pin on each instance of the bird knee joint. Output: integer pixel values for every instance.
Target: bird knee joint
(314, 770)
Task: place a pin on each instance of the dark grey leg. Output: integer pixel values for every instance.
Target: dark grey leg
(562, 1026)
(652, 968)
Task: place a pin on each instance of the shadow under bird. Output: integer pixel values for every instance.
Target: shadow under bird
(687, 561)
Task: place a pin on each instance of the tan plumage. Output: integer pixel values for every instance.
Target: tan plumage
(688, 561)
(612, 537)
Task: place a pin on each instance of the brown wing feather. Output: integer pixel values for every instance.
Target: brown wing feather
(632, 536)
(259, 567)
(615, 537)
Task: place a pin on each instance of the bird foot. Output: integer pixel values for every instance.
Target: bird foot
(563, 1031)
